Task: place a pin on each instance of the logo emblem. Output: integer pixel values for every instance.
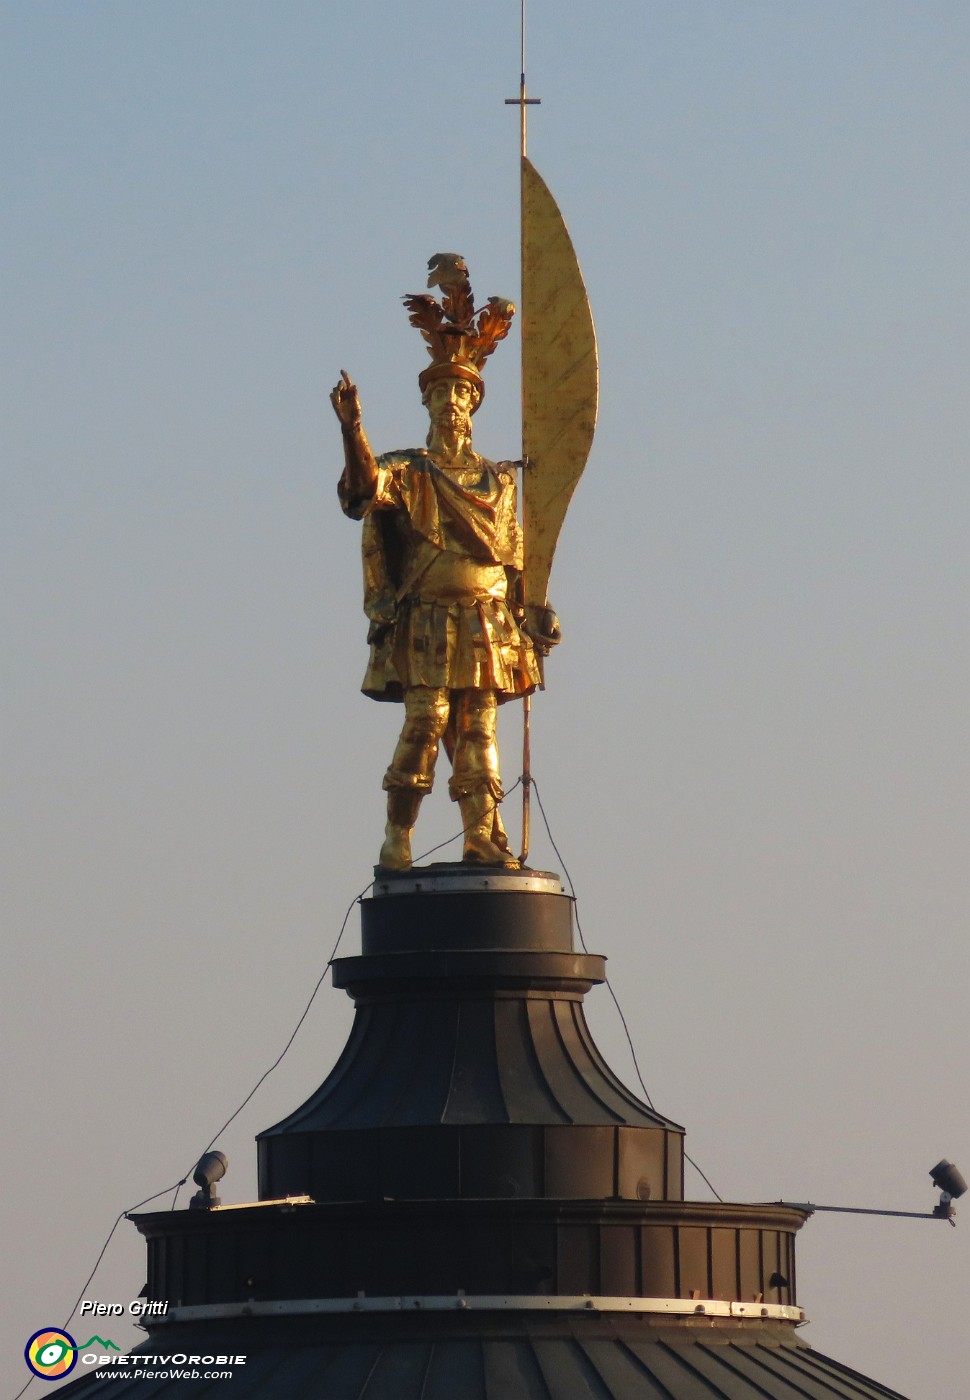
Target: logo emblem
(51, 1353)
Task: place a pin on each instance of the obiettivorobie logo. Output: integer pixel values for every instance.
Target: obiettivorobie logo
(52, 1353)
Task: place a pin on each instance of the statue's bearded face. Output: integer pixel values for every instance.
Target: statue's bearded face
(450, 404)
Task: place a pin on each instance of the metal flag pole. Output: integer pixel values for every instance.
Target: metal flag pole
(522, 102)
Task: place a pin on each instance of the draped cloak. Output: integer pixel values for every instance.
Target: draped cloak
(441, 564)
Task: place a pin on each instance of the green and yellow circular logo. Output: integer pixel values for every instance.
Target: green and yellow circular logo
(51, 1353)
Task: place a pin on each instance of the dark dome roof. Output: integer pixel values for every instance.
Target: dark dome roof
(524, 1357)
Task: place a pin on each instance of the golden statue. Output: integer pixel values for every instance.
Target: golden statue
(449, 635)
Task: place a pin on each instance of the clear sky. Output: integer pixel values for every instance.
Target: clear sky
(753, 745)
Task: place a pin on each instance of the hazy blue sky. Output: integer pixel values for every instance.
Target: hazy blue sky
(753, 746)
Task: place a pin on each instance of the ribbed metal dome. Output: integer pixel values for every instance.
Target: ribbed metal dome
(470, 1060)
(469, 1010)
(470, 1018)
(530, 1358)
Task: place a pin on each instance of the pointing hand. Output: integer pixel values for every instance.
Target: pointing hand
(346, 401)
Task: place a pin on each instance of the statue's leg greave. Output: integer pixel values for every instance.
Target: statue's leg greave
(475, 784)
(411, 773)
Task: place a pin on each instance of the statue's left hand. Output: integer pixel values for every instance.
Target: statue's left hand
(542, 625)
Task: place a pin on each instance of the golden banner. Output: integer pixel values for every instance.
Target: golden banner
(560, 378)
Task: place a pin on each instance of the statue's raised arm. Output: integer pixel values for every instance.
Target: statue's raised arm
(359, 479)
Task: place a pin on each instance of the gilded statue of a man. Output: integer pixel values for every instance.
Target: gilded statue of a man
(442, 551)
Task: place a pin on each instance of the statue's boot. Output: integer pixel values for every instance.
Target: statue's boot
(485, 840)
(499, 836)
(402, 813)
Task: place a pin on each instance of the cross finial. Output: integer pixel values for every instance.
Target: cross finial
(522, 101)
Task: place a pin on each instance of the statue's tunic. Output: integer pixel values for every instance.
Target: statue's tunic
(439, 561)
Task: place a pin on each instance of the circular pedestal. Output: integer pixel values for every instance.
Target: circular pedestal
(470, 1071)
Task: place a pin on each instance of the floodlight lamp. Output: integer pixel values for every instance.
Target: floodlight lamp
(211, 1168)
(950, 1184)
(948, 1179)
